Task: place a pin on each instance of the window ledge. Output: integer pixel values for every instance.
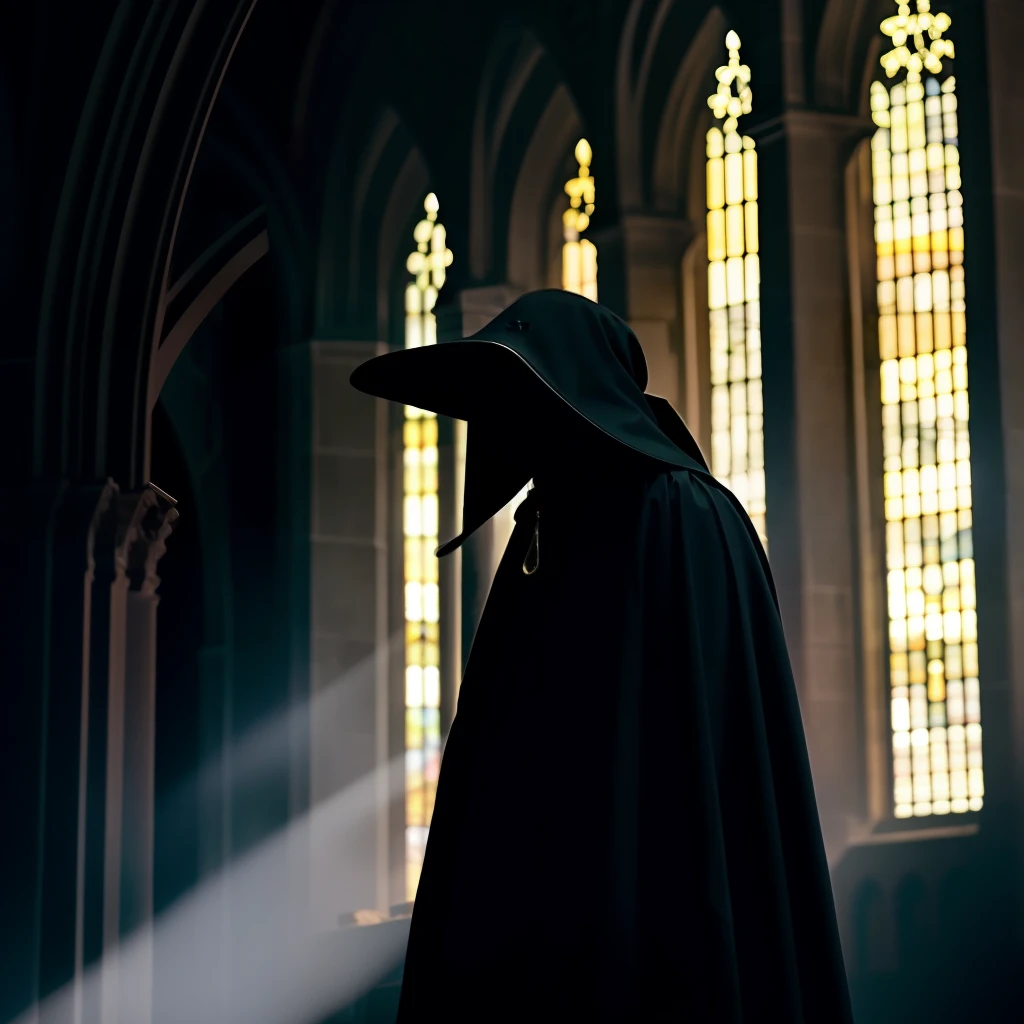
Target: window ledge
(898, 831)
(371, 918)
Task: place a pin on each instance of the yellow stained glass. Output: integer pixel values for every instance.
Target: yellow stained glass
(579, 254)
(734, 284)
(427, 264)
(934, 705)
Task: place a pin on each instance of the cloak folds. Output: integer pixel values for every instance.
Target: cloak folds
(625, 827)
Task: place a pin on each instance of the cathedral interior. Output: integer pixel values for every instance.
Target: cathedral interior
(229, 657)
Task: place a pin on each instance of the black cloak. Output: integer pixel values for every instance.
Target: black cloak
(625, 827)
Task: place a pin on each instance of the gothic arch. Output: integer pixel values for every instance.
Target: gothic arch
(237, 159)
(105, 286)
(250, 155)
(677, 165)
(404, 207)
(511, 61)
(631, 79)
(526, 124)
(670, 100)
(376, 181)
(660, 92)
(533, 225)
(846, 52)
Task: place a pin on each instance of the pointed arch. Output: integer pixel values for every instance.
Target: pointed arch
(237, 159)
(525, 126)
(121, 198)
(373, 190)
(513, 58)
(632, 76)
(534, 226)
(685, 110)
(848, 41)
(666, 53)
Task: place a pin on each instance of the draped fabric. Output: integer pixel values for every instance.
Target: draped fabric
(625, 826)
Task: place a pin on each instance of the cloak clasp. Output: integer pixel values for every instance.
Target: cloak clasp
(530, 566)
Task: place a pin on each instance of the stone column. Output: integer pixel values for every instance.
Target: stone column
(695, 400)
(63, 944)
(97, 826)
(101, 762)
(808, 416)
(653, 248)
(151, 518)
(357, 687)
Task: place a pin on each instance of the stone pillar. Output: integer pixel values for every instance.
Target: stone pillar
(356, 683)
(695, 400)
(97, 827)
(101, 777)
(869, 541)
(65, 674)
(811, 479)
(654, 247)
(152, 515)
(468, 573)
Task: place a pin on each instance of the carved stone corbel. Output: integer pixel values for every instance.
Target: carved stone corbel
(126, 538)
(147, 530)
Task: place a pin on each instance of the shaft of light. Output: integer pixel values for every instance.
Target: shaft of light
(244, 945)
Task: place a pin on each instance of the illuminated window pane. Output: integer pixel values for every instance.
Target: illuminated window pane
(427, 264)
(734, 285)
(579, 255)
(935, 706)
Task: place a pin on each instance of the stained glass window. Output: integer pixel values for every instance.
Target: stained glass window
(426, 264)
(919, 235)
(734, 301)
(579, 254)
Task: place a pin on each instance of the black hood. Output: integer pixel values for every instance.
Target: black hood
(585, 354)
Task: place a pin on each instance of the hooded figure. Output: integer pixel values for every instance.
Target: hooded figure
(625, 827)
